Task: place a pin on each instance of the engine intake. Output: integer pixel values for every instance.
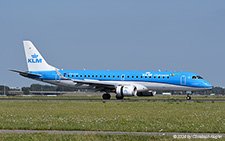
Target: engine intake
(126, 91)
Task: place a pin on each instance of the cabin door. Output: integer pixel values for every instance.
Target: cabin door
(183, 80)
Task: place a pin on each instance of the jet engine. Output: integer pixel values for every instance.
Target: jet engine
(122, 91)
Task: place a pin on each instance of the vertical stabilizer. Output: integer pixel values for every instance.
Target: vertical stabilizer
(35, 61)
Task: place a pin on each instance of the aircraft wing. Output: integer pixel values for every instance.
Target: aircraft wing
(89, 81)
(26, 74)
(94, 82)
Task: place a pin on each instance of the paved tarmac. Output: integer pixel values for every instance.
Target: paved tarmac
(112, 100)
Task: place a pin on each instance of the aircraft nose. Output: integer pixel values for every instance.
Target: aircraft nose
(207, 85)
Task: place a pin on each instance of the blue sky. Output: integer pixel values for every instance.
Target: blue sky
(115, 35)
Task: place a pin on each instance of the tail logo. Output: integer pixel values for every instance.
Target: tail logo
(34, 59)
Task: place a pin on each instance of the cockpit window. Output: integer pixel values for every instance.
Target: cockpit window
(199, 77)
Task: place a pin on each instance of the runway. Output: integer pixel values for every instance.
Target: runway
(174, 134)
(114, 100)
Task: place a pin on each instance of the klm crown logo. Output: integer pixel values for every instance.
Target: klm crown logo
(34, 56)
(34, 59)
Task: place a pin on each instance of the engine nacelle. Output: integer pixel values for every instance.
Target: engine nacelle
(147, 93)
(126, 91)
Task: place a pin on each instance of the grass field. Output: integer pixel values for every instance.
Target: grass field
(99, 137)
(82, 137)
(114, 116)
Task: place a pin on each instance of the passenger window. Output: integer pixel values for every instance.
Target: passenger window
(123, 76)
(136, 76)
(118, 76)
(150, 77)
(64, 75)
(92, 75)
(88, 75)
(113, 76)
(76, 75)
(141, 76)
(132, 76)
(145, 76)
(80, 75)
(84, 75)
(108, 76)
(72, 75)
(100, 76)
(154, 77)
(158, 76)
(163, 77)
(168, 77)
(96, 75)
(127, 76)
(104, 75)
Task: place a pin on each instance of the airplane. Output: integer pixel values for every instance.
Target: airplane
(122, 83)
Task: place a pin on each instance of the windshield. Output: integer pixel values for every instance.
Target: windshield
(197, 77)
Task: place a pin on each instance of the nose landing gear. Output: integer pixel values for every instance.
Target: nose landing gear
(188, 95)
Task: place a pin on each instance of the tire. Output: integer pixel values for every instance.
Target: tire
(119, 97)
(106, 96)
(188, 98)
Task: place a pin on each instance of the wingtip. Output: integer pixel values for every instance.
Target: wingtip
(11, 70)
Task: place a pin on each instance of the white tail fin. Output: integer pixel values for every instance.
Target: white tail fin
(35, 62)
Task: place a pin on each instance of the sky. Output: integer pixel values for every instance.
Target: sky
(144, 35)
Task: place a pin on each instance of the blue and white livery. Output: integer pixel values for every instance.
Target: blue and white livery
(123, 83)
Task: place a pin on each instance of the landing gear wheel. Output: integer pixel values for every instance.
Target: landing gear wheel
(119, 97)
(106, 96)
(188, 97)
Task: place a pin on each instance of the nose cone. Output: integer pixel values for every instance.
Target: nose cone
(206, 85)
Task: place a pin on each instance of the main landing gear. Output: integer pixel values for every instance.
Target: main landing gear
(106, 96)
(119, 97)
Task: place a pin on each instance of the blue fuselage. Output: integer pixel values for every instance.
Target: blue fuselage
(162, 79)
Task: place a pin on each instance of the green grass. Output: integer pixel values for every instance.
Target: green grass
(114, 116)
(81, 137)
(77, 137)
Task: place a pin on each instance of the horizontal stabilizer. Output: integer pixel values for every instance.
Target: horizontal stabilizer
(26, 73)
